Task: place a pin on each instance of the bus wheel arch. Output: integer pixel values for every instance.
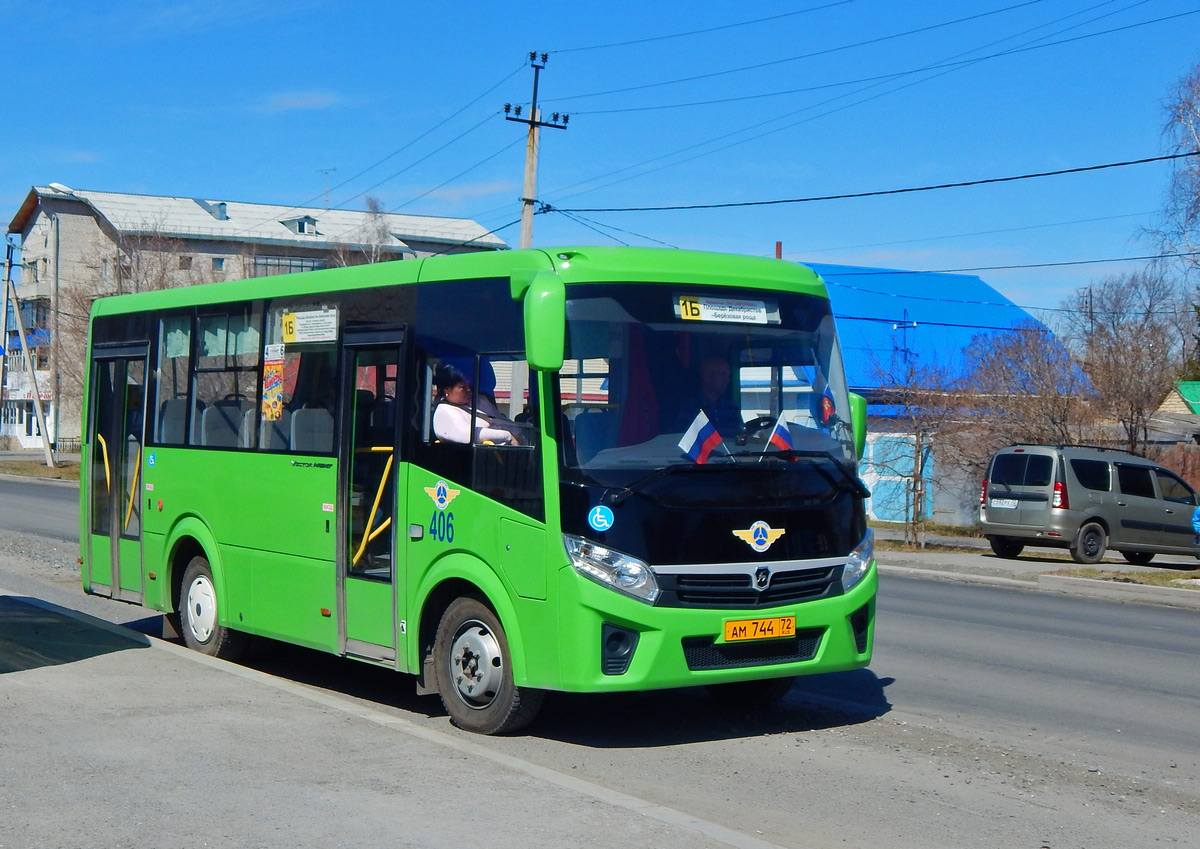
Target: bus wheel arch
(473, 671)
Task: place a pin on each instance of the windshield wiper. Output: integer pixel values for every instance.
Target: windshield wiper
(850, 482)
(615, 495)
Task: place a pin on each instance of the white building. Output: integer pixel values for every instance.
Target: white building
(79, 245)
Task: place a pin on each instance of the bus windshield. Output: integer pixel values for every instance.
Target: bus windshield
(653, 372)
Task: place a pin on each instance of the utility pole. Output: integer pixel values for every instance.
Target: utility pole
(531, 147)
(10, 291)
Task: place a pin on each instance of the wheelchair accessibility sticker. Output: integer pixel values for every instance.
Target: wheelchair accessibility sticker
(600, 518)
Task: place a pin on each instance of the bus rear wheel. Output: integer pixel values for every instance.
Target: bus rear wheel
(474, 672)
(198, 616)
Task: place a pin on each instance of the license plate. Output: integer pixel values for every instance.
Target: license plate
(1006, 503)
(772, 628)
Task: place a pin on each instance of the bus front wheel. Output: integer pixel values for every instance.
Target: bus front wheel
(199, 623)
(474, 672)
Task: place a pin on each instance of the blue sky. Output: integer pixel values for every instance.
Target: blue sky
(256, 101)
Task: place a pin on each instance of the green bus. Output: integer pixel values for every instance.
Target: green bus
(585, 469)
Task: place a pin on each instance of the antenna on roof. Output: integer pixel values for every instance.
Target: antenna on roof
(326, 172)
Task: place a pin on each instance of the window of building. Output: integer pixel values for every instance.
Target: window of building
(268, 266)
(185, 263)
(218, 263)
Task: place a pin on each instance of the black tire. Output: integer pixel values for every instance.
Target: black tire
(474, 672)
(1090, 544)
(750, 694)
(1138, 558)
(1006, 546)
(199, 618)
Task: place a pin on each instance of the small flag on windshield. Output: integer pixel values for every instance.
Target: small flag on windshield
(781, 436)
(700, 440)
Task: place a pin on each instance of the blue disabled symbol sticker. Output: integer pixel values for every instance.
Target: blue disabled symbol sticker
(600, 518)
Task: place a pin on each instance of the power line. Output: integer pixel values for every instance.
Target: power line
(811, 118)
(880, 192)
(809, 251)
(703, 31)
(816, 53)
(477, 238)
(952, 65)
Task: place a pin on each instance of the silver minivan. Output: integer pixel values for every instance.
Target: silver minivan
(1087, 500)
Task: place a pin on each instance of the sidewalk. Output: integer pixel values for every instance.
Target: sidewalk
(111, 738)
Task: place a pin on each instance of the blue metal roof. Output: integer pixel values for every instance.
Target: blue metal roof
(889, 319)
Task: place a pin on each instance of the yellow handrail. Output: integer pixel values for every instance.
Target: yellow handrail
(104, 453)
(367, 535)
(137, 471)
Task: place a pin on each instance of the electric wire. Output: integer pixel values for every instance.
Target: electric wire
(811, 55)
(968, 63)
(877, 192)
(703, 31)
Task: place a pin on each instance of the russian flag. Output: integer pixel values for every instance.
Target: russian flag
(781, 437)
(700, 440)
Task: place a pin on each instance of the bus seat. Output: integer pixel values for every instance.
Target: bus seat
(593, 433)
(312, 431)
(172, 420)
(220, 424)
(275, 435)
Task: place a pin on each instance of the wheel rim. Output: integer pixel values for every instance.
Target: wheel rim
(201, 608)
(1091, 544)
(476, 665)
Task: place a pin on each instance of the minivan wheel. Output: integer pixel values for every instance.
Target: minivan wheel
(1006, 546)
(1090, 543)
(1138, 558)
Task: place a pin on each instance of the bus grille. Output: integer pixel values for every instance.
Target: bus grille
(705, 653)
(736, 591)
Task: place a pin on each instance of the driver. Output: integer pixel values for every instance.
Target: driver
(713, 398)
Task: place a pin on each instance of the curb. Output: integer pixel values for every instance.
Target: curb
(1079, 587)
(1115, 591)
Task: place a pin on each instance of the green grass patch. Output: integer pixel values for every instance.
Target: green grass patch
(934, 528)
(1157, 578)
(63, 471)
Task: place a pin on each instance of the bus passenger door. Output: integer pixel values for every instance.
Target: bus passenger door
(116, 434)
(368, 580)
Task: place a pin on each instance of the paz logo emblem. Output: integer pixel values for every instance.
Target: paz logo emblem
(762, 577)
(442, 494)
(759, 536)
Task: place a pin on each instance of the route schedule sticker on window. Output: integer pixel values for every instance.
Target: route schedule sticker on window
(736, 311)
(310, 326)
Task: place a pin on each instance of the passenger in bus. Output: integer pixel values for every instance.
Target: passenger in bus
(452, 412)
(713, 398)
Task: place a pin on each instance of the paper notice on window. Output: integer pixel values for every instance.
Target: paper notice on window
(310, 326)
(731, 310)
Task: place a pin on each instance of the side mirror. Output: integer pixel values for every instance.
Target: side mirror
(858, 421)
(545, 321)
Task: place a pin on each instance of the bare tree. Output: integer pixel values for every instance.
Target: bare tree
(927, 409)
(1126, 332)
(372, 242)
(1180, 232)
(1026, 387)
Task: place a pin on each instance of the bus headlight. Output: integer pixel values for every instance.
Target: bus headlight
(859, 561)
(611, 568)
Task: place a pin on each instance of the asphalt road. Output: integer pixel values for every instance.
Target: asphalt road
(990, 717)
(48, 509)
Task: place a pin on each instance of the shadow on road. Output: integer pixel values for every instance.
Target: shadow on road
(673, 717)
(32, 636)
